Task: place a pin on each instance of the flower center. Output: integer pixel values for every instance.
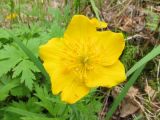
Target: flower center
(85, 64)
(84, 60)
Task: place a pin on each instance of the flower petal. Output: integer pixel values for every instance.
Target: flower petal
(51, 53)
(74, 92)
(52, 50)
(60, 76)
(80, 28)
(98, 24)
(106, 76)
(112, 45)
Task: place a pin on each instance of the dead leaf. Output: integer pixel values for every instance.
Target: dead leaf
(57, 3)
(157, 9)
(127, 108)
(131, 93)
(150, 92)
(129, 105)
(128, 24)
(135, 24)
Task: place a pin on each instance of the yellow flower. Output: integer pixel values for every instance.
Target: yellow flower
(84, 58)
(11, 16)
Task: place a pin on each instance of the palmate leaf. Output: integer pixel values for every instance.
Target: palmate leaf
(26, 69)
(13, 58)
(31, 56)
(9, 57)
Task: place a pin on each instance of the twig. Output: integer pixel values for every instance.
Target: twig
(136, 36)
(105, 107)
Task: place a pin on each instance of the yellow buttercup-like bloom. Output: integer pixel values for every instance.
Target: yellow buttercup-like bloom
(11, 16)
(84, 58)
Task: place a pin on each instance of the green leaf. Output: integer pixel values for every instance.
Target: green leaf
(25, 32)
(22, 112)
(43, 95)
(36, 61)
(123, 93)
(9, 115)
(56, 30)
(6, 84)
(26, 69)
(51, 103)
(30, 105)
(4, 34)
(33, 45)
(9, 57)
(20, 91)
(67, 15)
(39, 118)
(13, 58)
(88, 111)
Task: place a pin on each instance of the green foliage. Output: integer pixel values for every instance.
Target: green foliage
(44, 96)
(30, 105)
(6, 84)
(26, 69)
(145, 59)
(38, 118)
(95, 9)
(87, 111)
(152, 19)
(22, 112)
(128, 57)
(9, 115)
(3, 34)
(20, 91)
(25, 93)
(12, 58)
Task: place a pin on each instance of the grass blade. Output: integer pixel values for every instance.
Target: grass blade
(148, 57)
(95, 9)
(124, 91)
(77, 6)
